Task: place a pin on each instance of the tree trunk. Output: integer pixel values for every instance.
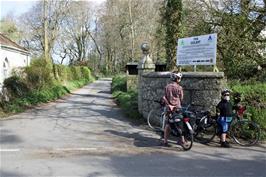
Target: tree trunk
(45, 24)
(132, 30)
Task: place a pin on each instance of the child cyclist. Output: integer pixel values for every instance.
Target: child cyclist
(224, 111)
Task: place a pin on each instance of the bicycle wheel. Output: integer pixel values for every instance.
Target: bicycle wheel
(188, 141)
(155, 120)
(205, 131)
(245, 133)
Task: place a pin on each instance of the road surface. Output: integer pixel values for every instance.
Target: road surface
(86, 134)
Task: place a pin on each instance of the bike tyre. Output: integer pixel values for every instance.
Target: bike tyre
(153, 121)
(245, 133)
(189, 138)
(205, 133)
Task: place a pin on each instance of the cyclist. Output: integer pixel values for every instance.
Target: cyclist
(224, 111)
(172, 98)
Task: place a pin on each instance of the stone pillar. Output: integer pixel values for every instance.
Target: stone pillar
(145, 65)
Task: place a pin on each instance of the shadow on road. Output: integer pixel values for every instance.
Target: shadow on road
(93, 95)
(7, 137)
(10, 174)
(139, 139)
(181, 165)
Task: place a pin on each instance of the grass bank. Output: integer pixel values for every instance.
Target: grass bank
(254, 97)
(40, 83)
(127, 100)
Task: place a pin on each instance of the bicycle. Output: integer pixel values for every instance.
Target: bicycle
(204, 131)
(157, 119)
(243, 131)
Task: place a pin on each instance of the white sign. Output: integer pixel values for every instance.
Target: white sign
(198, 50)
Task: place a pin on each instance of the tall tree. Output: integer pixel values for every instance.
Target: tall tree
(45, 24)
(33, 25)
(124, 25)
(172, 16)
(240, 25)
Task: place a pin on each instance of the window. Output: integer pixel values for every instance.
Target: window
(5, 66)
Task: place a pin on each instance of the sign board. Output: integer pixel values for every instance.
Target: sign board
(198, 50)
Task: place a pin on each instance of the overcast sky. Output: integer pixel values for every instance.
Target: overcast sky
(18, 7)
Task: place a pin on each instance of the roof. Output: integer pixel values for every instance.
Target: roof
(6, 42)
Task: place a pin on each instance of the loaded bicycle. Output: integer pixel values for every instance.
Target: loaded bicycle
(242, 130)
(157, 118)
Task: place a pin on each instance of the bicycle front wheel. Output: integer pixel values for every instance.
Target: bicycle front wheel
(206, 134)
(155, 120)
(245, 133)
(187, 145)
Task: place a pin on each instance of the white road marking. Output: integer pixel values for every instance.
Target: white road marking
(9, 150)
(75, 149)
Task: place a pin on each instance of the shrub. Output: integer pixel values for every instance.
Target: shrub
(119, 83)
(75, 73)
(39, 74)
(39, 85)
(254, 97)
(35, 97)
(15, 86)
(128, 100)
(86, 73)
(62, 72)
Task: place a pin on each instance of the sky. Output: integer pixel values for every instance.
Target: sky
(18, 7)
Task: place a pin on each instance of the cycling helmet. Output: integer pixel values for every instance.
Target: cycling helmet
(225, 91)
(237, 97)
(175, 76)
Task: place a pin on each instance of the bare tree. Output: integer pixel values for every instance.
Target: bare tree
(44, 14)
(124, 25)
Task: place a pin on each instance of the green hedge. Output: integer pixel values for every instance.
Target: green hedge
(128, 100)
(35, 97)
(119, 83)
(254, 97)
(42, 82)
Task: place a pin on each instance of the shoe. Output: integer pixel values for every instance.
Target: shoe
(165, 144)
(225, 144)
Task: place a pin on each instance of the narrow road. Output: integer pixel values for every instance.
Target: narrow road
(86, 134)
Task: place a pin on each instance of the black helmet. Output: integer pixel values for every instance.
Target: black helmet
(237, 97)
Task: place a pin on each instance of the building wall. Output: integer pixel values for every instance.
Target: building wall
(10, 59)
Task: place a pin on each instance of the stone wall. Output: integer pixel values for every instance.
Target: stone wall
(201, 89)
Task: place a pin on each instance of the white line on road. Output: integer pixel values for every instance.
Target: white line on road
(75, 149)
(9, 150)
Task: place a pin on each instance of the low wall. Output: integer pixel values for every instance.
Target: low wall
(201, 89)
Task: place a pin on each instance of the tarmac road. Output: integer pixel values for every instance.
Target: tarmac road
(86, 134)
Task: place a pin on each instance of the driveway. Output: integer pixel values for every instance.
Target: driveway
(86, 134)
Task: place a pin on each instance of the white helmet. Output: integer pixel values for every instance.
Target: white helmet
(175, 76)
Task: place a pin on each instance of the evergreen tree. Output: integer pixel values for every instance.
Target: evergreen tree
(172, 15)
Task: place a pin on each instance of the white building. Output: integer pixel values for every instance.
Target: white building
(11, 56)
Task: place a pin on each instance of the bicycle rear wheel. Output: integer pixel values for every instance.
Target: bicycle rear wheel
(155, 120)
(205, 132)
(245, 133)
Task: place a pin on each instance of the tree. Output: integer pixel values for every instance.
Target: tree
(239, 26)
(9, 28)
(171, 17)
(34, 21)
(123, 26)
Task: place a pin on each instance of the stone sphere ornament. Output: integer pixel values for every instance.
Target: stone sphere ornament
(145, 48)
